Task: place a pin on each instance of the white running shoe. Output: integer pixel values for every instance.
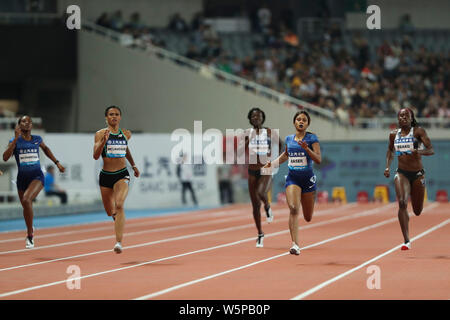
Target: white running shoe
(269, 215)
(295, 249)
(260, 241)
(118, 248)
(406, 246)
(29, 243)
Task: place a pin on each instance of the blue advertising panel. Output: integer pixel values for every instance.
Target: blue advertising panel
(359, 166)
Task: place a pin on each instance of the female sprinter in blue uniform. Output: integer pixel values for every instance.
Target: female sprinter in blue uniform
(301, 149)
(112, 144)
(258, 142)
(30, 179)
(409, 142)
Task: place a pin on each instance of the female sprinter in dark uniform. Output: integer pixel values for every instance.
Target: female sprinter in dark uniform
(112, 144)
(30, 179)
(409, 142)
(301, 149)
(258, 144)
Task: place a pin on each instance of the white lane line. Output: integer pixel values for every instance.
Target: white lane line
(175, 217)
(191, 236)
(342, 275)
(364, 213)
(186, 284)
(183, 226)
(131, 223)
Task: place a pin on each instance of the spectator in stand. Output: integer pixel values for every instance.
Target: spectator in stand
(116, 22)
(135, 22)
(197, 21)
(103, 20)
(291, 39)
(177, 23)
(406, 25)
(264, 18)
(51, 189)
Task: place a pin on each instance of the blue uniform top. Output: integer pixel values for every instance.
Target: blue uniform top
(299, 160)
(27, 153)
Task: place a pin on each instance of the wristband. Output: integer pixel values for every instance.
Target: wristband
(57, 161)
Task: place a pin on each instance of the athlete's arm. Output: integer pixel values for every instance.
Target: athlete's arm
(50, 155)
(389, 154)
(101, 136)
(242, 143)
(128, 155)
(278, 161)
(314, 153)
(428, 151)
(12, 145)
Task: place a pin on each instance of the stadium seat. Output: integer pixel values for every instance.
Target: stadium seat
(441, 196)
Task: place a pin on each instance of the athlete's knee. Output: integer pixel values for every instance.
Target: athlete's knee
(293, 210)
(402, 203)
(27, 201)
(119, 205)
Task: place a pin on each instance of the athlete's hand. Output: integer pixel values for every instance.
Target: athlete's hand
(303, 144)
(267, 165)
(106, 135)
(60, 167)
(136, 172)
(387, 172)
(17, 132)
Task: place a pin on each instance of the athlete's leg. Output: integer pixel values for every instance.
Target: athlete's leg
(263, 187)
(256, 201)
(417, 195)
(108, 200)
(120, 194)
(26, 199)
(293, 193)
(402, 189)
(308, 201)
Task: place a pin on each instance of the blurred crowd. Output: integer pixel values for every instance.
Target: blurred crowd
(355, 83)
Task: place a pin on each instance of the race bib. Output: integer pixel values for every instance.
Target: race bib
(28, 159)
(404, 146)
(116, 150)
(297, 163)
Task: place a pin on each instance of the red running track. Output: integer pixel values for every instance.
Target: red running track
(211, 255)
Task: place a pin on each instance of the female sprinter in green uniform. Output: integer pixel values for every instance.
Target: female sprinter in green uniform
(112, 144)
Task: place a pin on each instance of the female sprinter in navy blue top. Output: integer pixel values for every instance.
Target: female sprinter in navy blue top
(409, 142)
(301, 149)
(112, 144)
(30, 179)
(258, 142)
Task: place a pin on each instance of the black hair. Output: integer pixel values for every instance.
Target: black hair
(414, 122)
(20, 118)
(302, 112)
(112, 107)
(249, 116)
(307, 116)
